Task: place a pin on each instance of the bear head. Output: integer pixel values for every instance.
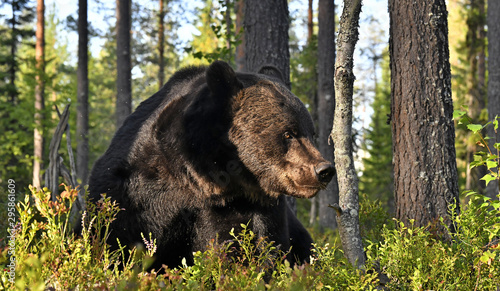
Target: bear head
(249, 132)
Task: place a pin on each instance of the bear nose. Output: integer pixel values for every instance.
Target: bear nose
(325, 172)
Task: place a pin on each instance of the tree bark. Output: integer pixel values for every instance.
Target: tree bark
(39, 93)
(341, 135)
(82, 116)
(123, 62)
(326, 105)
(493, 80)
(310, 23)
(266, 36)
(161, 46)
(425, 170)
(240, 48)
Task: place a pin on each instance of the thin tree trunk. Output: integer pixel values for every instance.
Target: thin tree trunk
(326, 105)
(13, 49)
(341, 135)
(476, 76)
(240, 48)
(161, 46)
(493, 80)
(82, 116)
(310, 24)
(39, 93)
(425, 170)
(123, 62)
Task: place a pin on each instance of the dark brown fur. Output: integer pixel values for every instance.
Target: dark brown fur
(211, 150)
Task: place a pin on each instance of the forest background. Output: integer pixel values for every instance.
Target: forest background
(197, 32)
(194, 34)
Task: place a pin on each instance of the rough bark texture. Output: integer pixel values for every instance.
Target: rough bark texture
(161, 46)
(266, 36)
(39, 92)
(348, 207)
(326, 105)
(266, 41)
(123, 62)
(82, 115)
(493, 79)
(425, 170)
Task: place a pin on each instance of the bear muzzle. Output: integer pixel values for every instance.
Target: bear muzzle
(324, 172)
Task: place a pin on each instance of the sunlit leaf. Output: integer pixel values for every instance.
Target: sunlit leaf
(488, 178)
(475, 128)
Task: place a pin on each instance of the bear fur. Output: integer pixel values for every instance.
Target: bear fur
(211, 150)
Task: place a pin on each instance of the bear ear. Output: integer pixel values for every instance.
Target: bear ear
(271, 71)
(221, 79)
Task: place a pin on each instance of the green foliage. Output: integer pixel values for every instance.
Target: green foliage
(49, 255)
(303, 73)
(218, 38)
(413, 259)
(490, 156)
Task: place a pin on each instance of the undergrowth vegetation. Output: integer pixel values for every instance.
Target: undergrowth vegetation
(402, 257)
(44, 254)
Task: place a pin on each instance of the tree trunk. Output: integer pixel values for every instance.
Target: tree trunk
(161, 46)
(266, 42)
(310, 23)
(341, 135)
(240, 48)
(123, 62)
(493, 80)
(425, 170)
(475, 82)
(82, 116)
(13, 65)
(266, 36)
(326, 105)
(39, 93)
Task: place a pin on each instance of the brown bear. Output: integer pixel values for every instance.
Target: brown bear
(211, 150)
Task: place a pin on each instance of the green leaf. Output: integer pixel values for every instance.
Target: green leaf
(488, 178)
(491, 164)
(474, 127)
(457, 114)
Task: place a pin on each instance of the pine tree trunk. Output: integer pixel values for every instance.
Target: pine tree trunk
(39, 93)
(493, 80)
(82, 116)
(266, 36)
(240, 49)
(425, 170)
(161, 46)
(13, 65)
(326, 105)
(348, 207)
(123, 62)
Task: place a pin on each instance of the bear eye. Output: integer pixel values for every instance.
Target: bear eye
(287, 135)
